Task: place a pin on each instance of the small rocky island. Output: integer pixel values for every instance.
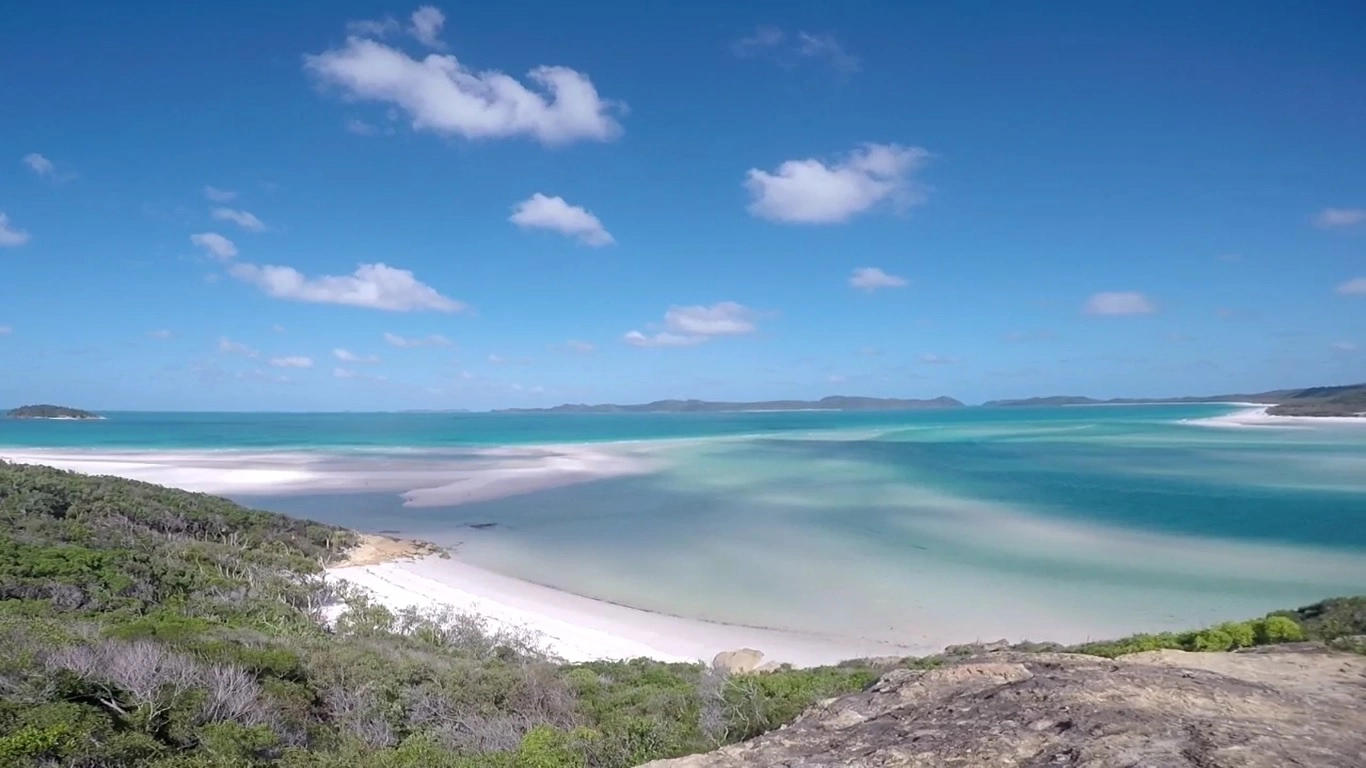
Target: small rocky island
(49, 412)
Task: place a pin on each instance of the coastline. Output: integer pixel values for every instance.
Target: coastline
(1256, 415)
(580, 629)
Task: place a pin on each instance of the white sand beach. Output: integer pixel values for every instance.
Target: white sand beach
(577, 628)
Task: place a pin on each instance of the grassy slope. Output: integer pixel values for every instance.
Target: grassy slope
(146, 626)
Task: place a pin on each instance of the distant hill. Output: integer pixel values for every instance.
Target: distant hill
(1270, 398)
(49, 412)
(1348, 400)
(834, 403)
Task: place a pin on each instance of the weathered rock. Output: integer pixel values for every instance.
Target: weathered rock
(737, 662)
(1293, 705)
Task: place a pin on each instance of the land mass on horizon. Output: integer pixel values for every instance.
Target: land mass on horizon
(1348, 400)
(832, 403)
(44, 411)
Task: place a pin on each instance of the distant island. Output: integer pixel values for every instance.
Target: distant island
(49, 412)
(1348, 400)
(834, 403)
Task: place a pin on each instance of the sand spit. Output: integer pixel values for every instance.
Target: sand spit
(1259, 417)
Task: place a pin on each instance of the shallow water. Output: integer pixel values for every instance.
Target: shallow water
(925, 527)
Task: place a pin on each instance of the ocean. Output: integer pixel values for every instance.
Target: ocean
(923, 526)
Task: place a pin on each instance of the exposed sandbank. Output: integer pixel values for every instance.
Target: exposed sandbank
(1258, 416)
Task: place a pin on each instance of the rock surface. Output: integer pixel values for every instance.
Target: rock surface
(1299, 705)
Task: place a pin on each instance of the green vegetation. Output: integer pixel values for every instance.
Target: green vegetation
(49, 412)
(1324, 401)
(144, 626)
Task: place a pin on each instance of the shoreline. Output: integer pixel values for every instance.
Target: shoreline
(581, 629)
(1256, 415)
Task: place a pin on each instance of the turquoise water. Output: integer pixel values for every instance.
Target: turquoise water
(933, 526)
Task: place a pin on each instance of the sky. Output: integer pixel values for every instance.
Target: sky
(378, 206)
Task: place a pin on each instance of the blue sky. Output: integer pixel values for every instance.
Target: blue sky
(259, 205)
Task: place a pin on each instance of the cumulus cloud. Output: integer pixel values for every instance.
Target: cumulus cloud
(725, 318)
(243, 219)
(1354, 287)
(497, 359)
(374, 286)
(1330, 218)
(871, 278)
(811, 191)
(685, 326)
(553, 213)
(227, 346)
(219, 195)
(347, 356)
(433, 340)
(5, 330)
(160, 334)
(1119, 303)
(349, 373)
(426, 26)
(10, 235)
(441, 94)
(1344, 346)
(293, 361)
(215, 245)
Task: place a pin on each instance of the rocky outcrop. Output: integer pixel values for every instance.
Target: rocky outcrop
(1300, 705)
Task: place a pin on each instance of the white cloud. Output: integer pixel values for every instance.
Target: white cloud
(1344, 346)
(725, 318)
(440, 94)
(215, 245)
(825, 46)
(579, 346)
(1329, 218)
(776, 44)
(932, 359)
(1119, 303)
(686, 326)
(811, 192)
(1354, 287)
(5, 330)
(278, 328)
(764, 38)
(497, 359)
(541, 212)
(39, 164)
(374, 286)
(871, 278)
(227, 346)
(426, 26)
(243, 219)
(293, 361)
(836, 378)
(661, 339)
(347, 356)
(10, 236)
(219, 195)
(160, 334)
(434, 340)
